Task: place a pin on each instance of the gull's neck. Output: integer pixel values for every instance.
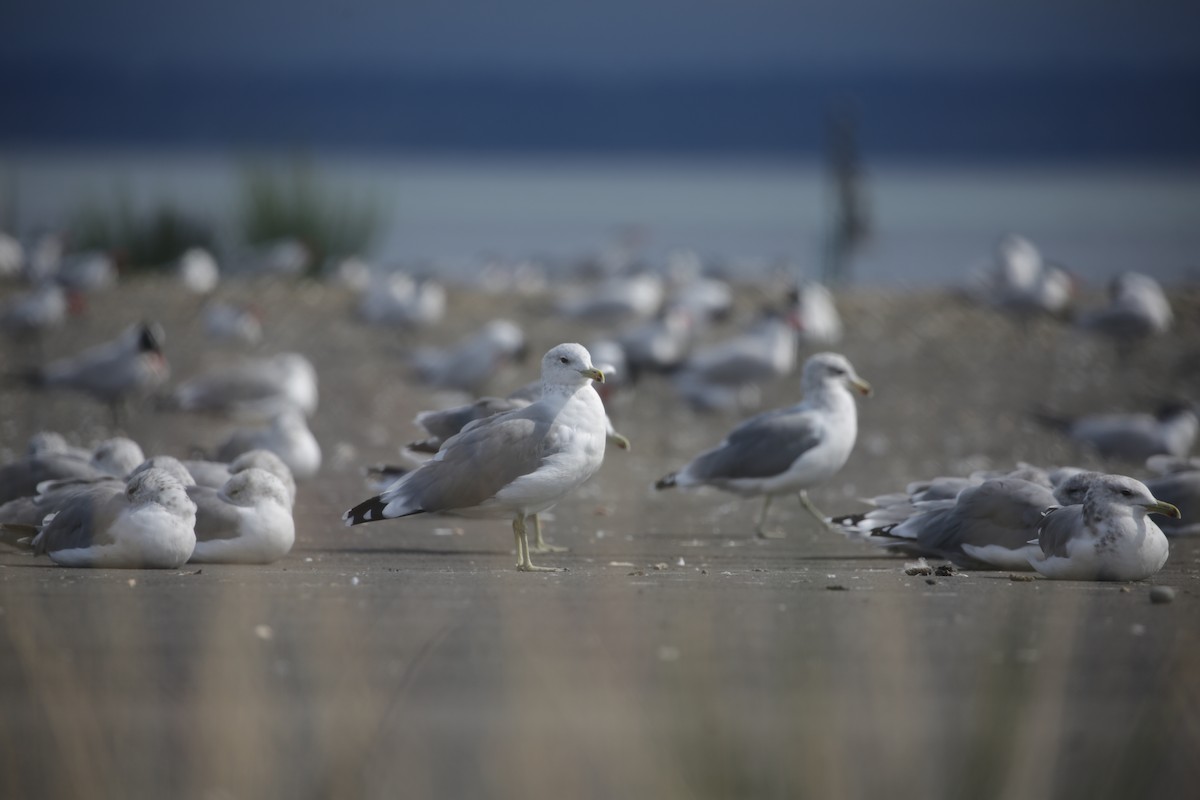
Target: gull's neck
(830, 395)
(563, 391)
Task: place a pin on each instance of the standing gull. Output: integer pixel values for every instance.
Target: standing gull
(789, 449)
(510, 465)
(132, 365)
(1110, 537)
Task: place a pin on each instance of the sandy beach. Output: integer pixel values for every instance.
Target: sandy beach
(678, 656)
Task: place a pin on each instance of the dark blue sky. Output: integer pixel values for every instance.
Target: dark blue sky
(929, 78)
(610, 36)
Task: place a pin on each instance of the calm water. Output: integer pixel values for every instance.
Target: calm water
(930, 224)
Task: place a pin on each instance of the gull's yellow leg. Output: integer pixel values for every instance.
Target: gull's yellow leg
(761, 527)
(816, 512)
(540, 545)
(523, 562)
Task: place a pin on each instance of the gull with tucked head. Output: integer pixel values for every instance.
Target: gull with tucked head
(149, 525)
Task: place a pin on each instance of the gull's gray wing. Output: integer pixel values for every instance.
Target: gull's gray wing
(476, 464)
(761, 447)
(21, 478)
(215, 518)
(84, 521)
(53, 495)
(1060, 525)
(444, 424)
(1003, 512)
(228, 389)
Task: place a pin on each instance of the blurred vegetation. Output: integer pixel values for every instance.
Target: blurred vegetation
(136, 240)
(296, 203)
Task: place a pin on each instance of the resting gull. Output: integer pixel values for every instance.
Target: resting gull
(469, 365)
(510, 465)
(789, 449)
(151, 524)
(253, 388)
(1133, 436)
(248, 521)
(287, 436)
(1107, 538)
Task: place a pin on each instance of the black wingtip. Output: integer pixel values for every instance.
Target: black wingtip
(369, 510)
(425, 446)
(665, 482)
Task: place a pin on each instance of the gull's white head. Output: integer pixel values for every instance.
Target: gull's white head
(168, 464)
(1108, 491)
(117, 456)
(824, 370)
(46, 443)
(252, 485)
(1073, 491)
(158, 486)
(569, 365)
(269, 462)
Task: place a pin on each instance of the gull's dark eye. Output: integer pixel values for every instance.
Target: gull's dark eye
(1126, 493)
(565, 360)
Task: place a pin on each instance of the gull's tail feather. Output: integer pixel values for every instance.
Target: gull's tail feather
(425, 445)
(369, 510)
(374, 509)
(666, 482)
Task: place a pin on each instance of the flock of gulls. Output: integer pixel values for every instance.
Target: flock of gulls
(515, 457)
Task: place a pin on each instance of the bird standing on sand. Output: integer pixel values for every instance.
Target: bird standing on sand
(129, 366)
(510, 465)
(789, 449)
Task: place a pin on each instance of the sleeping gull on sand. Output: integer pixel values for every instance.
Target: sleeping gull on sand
(287, 436)
(470, 364)
(789, 449)
(248, 521)
(252, 388)
(112, 457)
(510, 465)
(1110, 537)
(148, 525)
(1133, 436)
